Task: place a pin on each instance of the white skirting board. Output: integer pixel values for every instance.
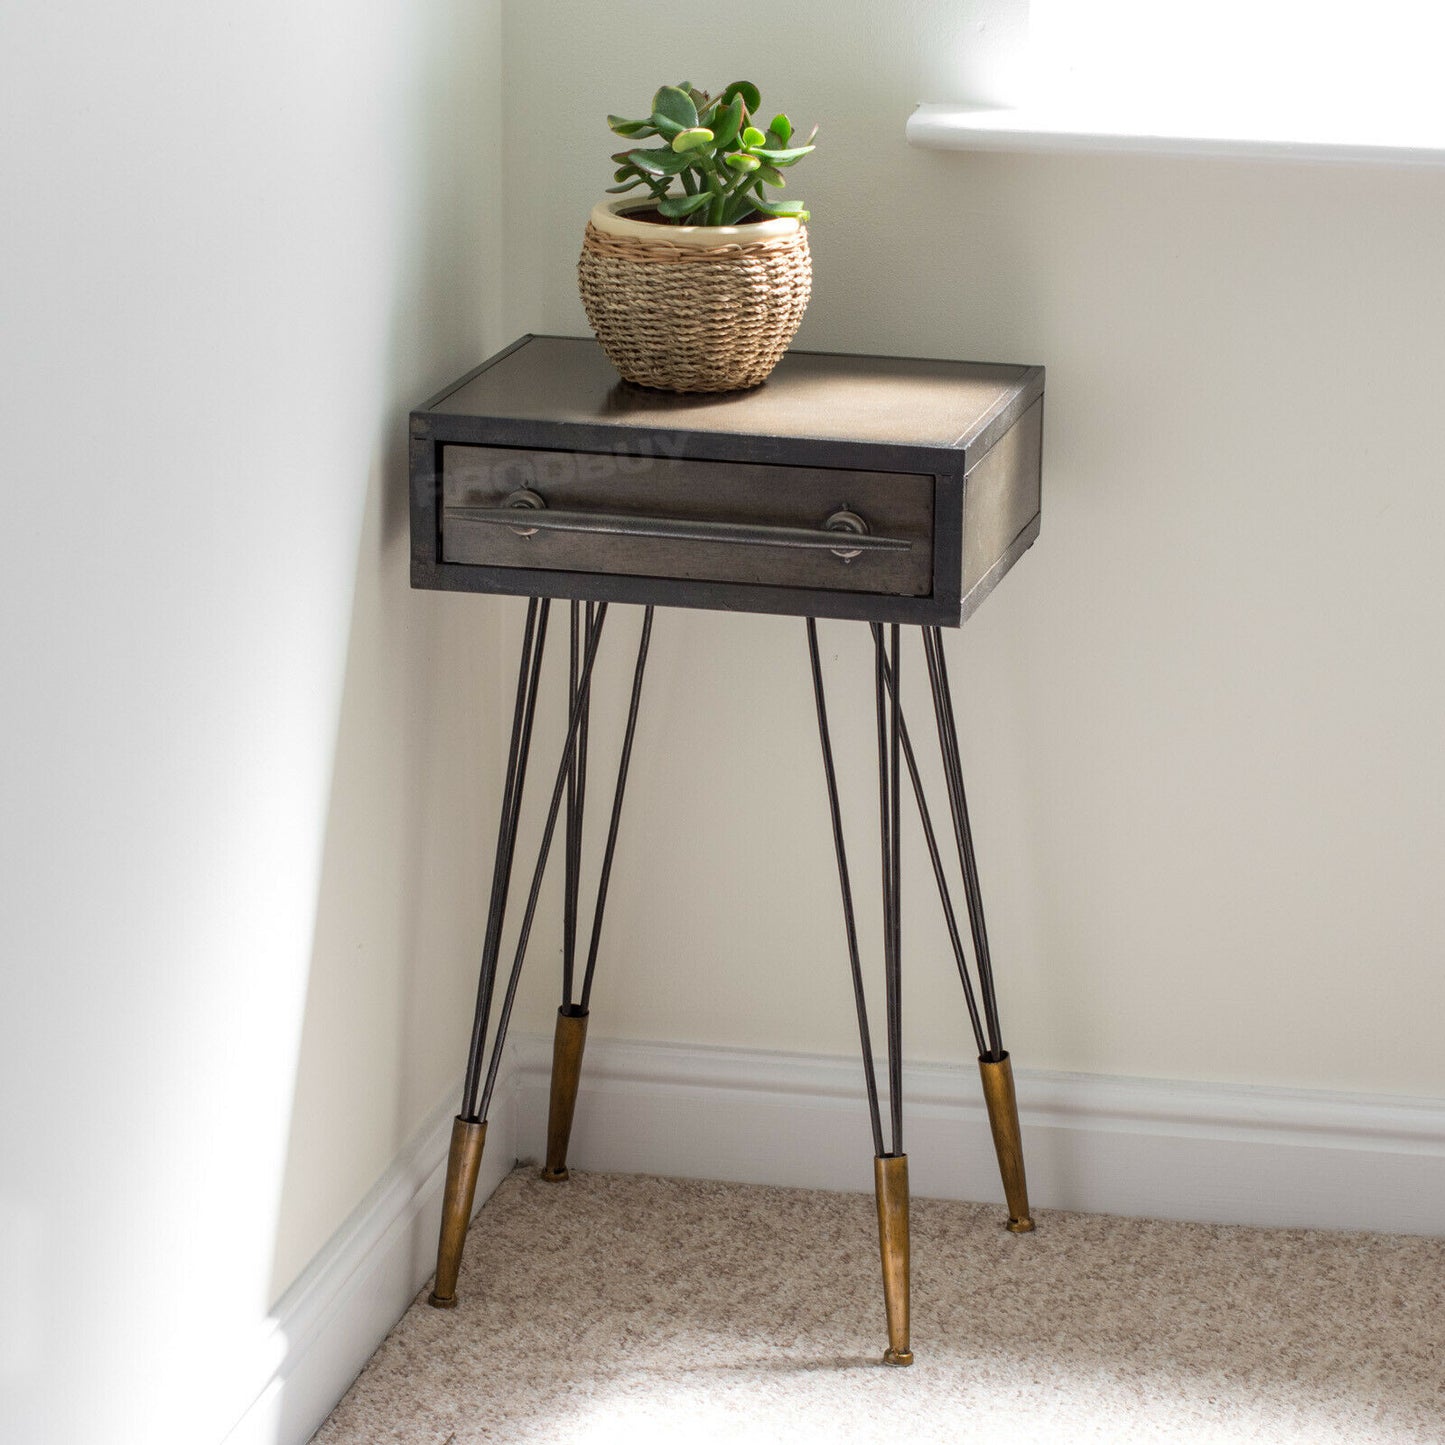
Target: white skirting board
(1217, 1153)
(329, 1323)
(1210, 1152)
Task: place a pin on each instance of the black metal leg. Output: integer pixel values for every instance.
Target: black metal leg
(890, 1167)
(850, 926)
(533, 641)
(469, 1133)
(963, 834)
(469, 1130)
(570, 1038)
(895, 751)
(994, 1063)
(995, 1066)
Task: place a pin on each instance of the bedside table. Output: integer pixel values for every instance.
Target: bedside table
(882, 490)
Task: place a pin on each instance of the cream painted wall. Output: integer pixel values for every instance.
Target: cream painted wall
(1201, 719)
(244, 766)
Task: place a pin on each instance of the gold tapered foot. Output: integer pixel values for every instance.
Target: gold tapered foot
(463, 1162)
(1003, 1119)
(890, 1183)
(567, 1045)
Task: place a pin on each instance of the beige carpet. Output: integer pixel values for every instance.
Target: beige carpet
(617, 1308)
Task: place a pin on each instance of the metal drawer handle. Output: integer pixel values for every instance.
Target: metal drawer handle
(738, 534)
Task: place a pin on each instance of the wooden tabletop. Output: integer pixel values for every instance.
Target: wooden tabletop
(811, 394)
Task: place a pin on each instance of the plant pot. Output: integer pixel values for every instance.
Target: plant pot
(693, 308)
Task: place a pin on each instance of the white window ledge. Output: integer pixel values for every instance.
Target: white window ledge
(1397, 140)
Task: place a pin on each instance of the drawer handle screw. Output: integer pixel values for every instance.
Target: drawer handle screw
(525, 501)
(846, 521)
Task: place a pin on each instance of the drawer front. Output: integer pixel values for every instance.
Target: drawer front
(780, 526)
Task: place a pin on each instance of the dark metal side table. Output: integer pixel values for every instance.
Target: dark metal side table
(883, 490)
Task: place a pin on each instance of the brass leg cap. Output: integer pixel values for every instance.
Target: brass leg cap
(1020, 1226)
(556, 1176)
(437, 1302)
(897, 1357)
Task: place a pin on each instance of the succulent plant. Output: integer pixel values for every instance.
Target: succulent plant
(717, 151)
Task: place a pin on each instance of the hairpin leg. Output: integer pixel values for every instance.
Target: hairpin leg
(469, 1130)
(994, 1063)
(890, 1167)
(993, 1058)
(570, 1037)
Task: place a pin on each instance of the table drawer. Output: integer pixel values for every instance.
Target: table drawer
(786, 526)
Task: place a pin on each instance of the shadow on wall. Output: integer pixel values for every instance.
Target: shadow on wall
(398, 907)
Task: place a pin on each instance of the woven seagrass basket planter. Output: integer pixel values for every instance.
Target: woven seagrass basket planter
(693, 308)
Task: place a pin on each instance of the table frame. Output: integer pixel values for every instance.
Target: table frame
(974, 429)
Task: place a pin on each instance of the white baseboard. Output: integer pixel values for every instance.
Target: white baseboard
(329, 1323)
(1209, 1152)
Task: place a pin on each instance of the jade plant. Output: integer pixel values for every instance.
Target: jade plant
(716, 149)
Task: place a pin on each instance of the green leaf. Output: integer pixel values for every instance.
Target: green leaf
(629, 127)
(692, 140)
(658, 162)
(783, 158)
(728, 122)
(631, 185)
(739, 205)
(741, 161)
(674, 104)
(753, 138)
(683, 205)
(771, 176)
(781, 127)
(781, 208)
(747, 90)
